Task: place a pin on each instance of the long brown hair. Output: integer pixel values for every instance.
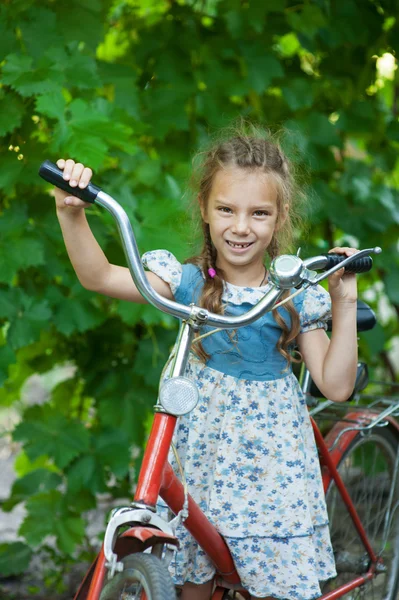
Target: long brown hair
(255, 151)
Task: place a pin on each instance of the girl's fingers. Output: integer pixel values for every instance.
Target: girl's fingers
(75, 202)
(68, 168)
(76, 174)
(85, 177)
(343, 250)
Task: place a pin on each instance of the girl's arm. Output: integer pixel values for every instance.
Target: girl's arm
(90, 263)
(333, 362)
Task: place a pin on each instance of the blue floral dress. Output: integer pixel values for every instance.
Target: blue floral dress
(248, 449)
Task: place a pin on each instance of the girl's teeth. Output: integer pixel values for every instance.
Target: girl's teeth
(238, 245)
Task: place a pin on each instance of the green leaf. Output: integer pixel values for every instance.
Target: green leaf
(7, 358)
(11, 113)
(86, 473)
(8, 307)
(37, 481)
(392, 286)
(315, 127)
(27, 317)
(88, 149)
(28, 253)
(51, 105)
(308, 21)
(298, 94)
(87, 120)
(92, 13)
(8, 40)
(393, 131)
(39, 31)
(74, 315)
(112, 448)
(14, 558)
(69, 532)
(46, 431)
(11, 172)
(262, 67)
(47, 515)
(81, 72)
(389, 199)
(375, 339)
(27, 79)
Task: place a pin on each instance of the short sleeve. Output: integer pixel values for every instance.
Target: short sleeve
(165, 265)
(315, 310)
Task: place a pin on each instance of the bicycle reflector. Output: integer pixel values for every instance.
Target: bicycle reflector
(178, 396)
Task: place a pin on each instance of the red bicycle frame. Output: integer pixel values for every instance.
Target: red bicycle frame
(157, 478)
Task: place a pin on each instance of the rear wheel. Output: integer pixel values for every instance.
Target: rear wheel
(369, 470)
(144, 577)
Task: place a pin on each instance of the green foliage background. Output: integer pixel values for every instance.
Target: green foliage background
(132, 88)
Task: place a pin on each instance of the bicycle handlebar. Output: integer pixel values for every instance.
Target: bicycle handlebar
(286, 271)
(51, 173)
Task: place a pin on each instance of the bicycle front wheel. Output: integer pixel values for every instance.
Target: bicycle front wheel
(144, 577)
(369, 470)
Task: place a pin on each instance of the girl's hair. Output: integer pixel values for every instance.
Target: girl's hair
(254, 151)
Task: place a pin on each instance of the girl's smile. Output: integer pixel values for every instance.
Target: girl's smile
(238, 247)
(242, 214)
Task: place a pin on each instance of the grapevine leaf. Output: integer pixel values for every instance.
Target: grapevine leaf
(81, 72)
(11, 113)
(73, 314)
(28, 317)
(51, 105)
(39, 30)
(298, 94)
(7, 358)
(37, 481)
(112, 448)
(11, 172)
(69, 532)
(21, 75)
(30, 253)
(46, 431)
(262, 67)
(14, 558)
(47, 515)
(392, 287)
(86, 472)
(8, 39)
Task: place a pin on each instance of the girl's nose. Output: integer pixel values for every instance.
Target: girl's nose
(240, 226)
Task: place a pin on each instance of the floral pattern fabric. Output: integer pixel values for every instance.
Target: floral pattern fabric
(251, 464)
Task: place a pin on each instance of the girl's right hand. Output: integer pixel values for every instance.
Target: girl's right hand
(78, 176)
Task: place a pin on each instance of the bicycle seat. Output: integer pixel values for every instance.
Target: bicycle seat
(365, 317)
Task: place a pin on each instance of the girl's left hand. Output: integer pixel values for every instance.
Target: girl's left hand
(342, 286)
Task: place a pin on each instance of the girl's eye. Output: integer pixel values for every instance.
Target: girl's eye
(261, 213)
(224, 209)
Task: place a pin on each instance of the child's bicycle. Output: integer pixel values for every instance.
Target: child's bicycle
(358, 454)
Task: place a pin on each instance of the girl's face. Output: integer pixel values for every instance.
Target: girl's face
(242, 214)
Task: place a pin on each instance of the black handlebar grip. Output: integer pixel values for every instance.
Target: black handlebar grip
(359, 265)
(51, 173)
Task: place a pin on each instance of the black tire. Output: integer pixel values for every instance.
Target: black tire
(367, 469)
(141, 573)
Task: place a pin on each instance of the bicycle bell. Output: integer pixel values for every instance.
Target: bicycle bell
(286, 270)
(178, 396)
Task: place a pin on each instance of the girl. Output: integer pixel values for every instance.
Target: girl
(247, 448)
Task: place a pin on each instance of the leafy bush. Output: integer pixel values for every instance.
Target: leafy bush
(132, 88)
